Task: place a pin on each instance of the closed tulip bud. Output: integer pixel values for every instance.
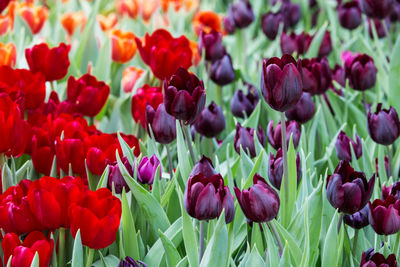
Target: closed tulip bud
(362, 73)
(293, 42)
(339, 75)
(229, 24)
(281, 83)
(358, 219)
(8, 54)
(395, 14)
(275, 168)
(242, 13)
(371, 259)
(146, 95)
(34, 16)
(115, 176)
(260, 203)
(303, 111)
(326, 45)
(123, 46)
(275, 135)
(349, 15)
(204, 198)
(383, 125)
(184, 96)
(343, 151)
(162, 124)
(211, 43)
(270, 23)
(376, 9)
(244, 138)
(147, 168)
(317, 75)
(130, 76)
(384, 215)
(211, 121)
(222, 72)
(129, 262)
(205, 167)
(291, 12)
(348, 190)
(242, 104)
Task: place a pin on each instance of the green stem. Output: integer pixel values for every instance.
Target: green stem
(324, 115)
(364, 103)
(52, 85)
(355, 239)
(388, 38)
(396, 244)
(276, 235)
(90, 257)
(219, 99)
(186, 133)
(340, 221)
(285, 159)
(389, 161)
(61, 247)
(201, 240)
(171, 170)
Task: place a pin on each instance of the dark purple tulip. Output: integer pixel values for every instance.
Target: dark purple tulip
(221, 71)
(393, 190)
(205, 167)
(303, 111)
(115, 176)
(260, 203)
(376, 9)
(317, 75)
(349, 15)
(129, 262)
(184, 96)
(205, 198)
(358, 219)
(293, 42)
(383, 125)
(379, 27)
(211, 43)
(384, 215)
(270, 23)
(362, 74)
(211, 121)
(348, 190)
(244, 104)
(242, 13)
(275, 168)
(244, 138)
(348, 58)
(147, 168)
(229, 24)
(371, 259)
(395, 14)
(326, 45)
(275, 135)
(162, 124)
(291, 13)
(343, 151)
(281, 83)
(339, 75)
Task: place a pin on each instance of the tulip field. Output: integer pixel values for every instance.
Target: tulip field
(237, 133)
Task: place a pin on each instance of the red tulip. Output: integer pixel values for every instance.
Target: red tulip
(145, 96)
(71, 151)
(100, 149)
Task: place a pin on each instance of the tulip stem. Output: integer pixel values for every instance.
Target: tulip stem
(186, 132)
(61, 247)
(324, 115)
(355, 240)
(396, 244)
(364, 103)
(285, 159)
(341, 215)
(219, 98)
(276, 235)
(389, 161)
(90, 257)
(201, 240)
(389, 40)
(171, 171)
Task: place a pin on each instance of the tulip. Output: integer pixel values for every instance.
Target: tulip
(243, 105)
(5, 24)
(144, 96)
(115, 176)
(129, 262)
(130, 76)
(164, 53)
(339, 75)
(8, 54)
(107, 22)
(376, 9)
(147, 169)
(342, 145)
(204, 198)
(222, 72)
(395, 14)
(244, 138)
(275, 136)
(393, 190)
(71, 151)
(211, 43)
(358, 219)
(295, 43)
(384, 215)
(379, 27)
(71, 20)
(362, 73)
(281, 83)
(52, 63)
(377, 259)
(241, 13)
(211, 121)
(229, 24)
(127, 7)
(350, 15)
(132, 142)
(326, 45)
(259, 203)
(123, 46)
(317, 75)
(23, 252)
(205, 167)
(162, 124)
(348, 58)
(303, 111)
(383, 125)
(348, 190)
(184, 96)
(270, 23)
(206, 21)
(3, 5)
(98, 216)
(291, 13)
(34, 16)
(275, 169)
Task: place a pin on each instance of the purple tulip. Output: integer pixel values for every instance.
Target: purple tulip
(371, 259)
(275, 169)
(275, 135)
(115, 176)
(260, 203)
(244, 104)
(205, 198)
(211, 121)
(205, 167)
(342, 145)
(295, 43)
(184, 96)
(379, 27)
(339, 75)
(349, 15)
(358, 219)
(291, 13)
(211, 43)
(348, 190)
(326, 45)
(395, 14)
(317, 75)
(241, 13)
(384, 215)
(362, 73)
(147, 170)
(270, 23)
(244, 138)
(229, 24)
(376, 9)
(383, 125)
(221, 71)
(162, 124)
(129, 262)
(303, 111)
(393, 190)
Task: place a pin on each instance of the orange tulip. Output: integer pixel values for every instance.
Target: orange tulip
(188, 4)
(107, 22)
(147, 8)
(123, 45)
(196, 57)
(206, 21)
(129, 7)
(71, 20)
(130, 76)
(34, 16)
(8, 54)
(5, 24)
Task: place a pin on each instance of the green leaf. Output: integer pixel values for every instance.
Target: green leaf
(109, 260)
(103, 179)
(272, 249)
(77, 252)
(252, 121)
(254, 258)
(172, 253)
(22, 172)
(102, 68)
(331, 249)
(293, 247)
(130, 242)
(183, 154)
(7, 180)
(35, 260)
(316, 42)
(256, 167)
(256, 239)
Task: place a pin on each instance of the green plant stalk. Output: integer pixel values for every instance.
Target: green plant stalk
(219, 98)
(201, 240)
(355, 239)
(171, 170)
(61, 247)
(90, 257)
(389, 161)
(276, 235)
(387, 33)
(186, 133)
(285, 159)
(396, 244)
(340, 221)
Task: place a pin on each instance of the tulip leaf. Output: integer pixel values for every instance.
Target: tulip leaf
(77, 252)
(104, 178)
(253, 120)
(256, 167)
(394, 76)
(246, 164)
(129, 231)
(127, 151)
(293, 247)
(254, 258)
(35, 260)
(156, 190)
(183, 262)
(102, 67)
(21, 173)
(314, 221)
(272, 249)
(109, 260)
(331, 248)
(285, 260)
(256, 238)
(183, 153)
(316, 42)
(172, 253)
(7, 180)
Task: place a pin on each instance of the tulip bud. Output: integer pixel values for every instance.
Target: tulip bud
(244, 104)
(303, 111)
(362, 73)
(129, 262)
(383, 125)
(144, 96)
(162, 124)
(295, 43)
(275, 135)
(270, 23)
(34, 16)
(130, 76)
(358, 219)
(342, 145)
(370, 259)
(222, 72)
(211, 121)
(242, 13)
(326, 45)
(317, 75)
(291, 12)
(349, 15)
(147, 169)
(115, 176)
(107, 22)
(8, 54)
(244, 138)
(184, 96)
(393, 190)
(348, 190)
(211, 43)
(339, 75)
(229, 24)
(205, 167)
(260, 203)
(123, 46)
(384, 215)
(376, 9)
(281, 83)
(204, 198)
(395, 14)
(379, 27)
(275, 169)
